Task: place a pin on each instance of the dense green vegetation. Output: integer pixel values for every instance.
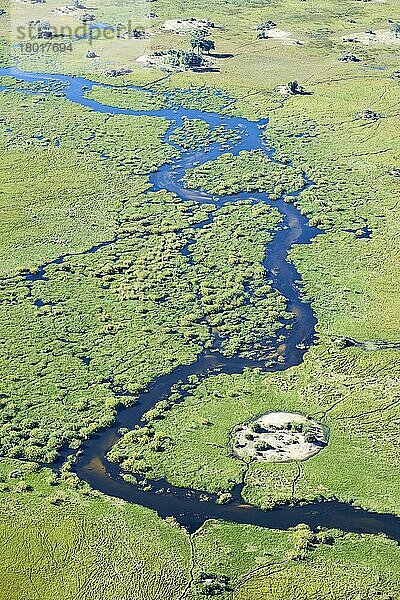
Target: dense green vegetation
(61, 331)
(66, 381)
(196, 134)
(342, 572)
(75, 204)
(351, 279)
(126, 98)
(248, 172)
(139, 292)
(239, 303)
(60, 541)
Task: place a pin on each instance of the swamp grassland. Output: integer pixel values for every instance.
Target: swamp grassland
(350, 273)
(133, 296)
(69, 149)
(60, 540)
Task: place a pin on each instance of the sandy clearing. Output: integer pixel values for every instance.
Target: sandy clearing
(281, 35)
(380, 36)
(279, 437)
(185, 26)
(149, 60)
(278, 34)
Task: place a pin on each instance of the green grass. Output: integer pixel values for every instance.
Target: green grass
(74, 204)
(126, 98)
(344, 571)
(196, 134)
(59, 539)
(50, 396)
(61, 542)
(352, 281)
(239, 304)
(138, 295)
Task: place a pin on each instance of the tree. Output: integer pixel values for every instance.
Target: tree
(303, 539)
(43, 30)
(199, 41)
(207, 45)
(267, 25)
(294, 87)
(396, 29)
(257, 427)
(210, 584)
(187, 60)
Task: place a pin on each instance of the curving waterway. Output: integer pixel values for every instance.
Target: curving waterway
(188, 505)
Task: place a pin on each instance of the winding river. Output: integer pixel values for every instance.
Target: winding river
(188, 505)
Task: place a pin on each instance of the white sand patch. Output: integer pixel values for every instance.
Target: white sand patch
(279, 437)
(283, 89)
(150, 60)
(185, 26)
(380, 36)
(280, 34)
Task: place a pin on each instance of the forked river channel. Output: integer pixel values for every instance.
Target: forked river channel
(185, 504)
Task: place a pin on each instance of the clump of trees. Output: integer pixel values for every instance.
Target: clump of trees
(264, 28)
(43, 30)
(210, 584)
(310, 437)
(181, 59)
(138, 34)
(305, 539)
(199, 41)
(192, 59)
(256, 427)
(295, 426)
(263, 446)
(87, 18)
(368, 115)
(224, 498)
(294, 88)
(266, 25)
(348, 58)
(396, 29)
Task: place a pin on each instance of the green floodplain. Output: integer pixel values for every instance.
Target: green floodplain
(72, 178)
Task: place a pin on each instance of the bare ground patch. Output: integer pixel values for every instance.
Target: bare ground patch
(369, 38)
(279, 437)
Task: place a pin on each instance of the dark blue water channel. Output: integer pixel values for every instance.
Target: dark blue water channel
(185, 504)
